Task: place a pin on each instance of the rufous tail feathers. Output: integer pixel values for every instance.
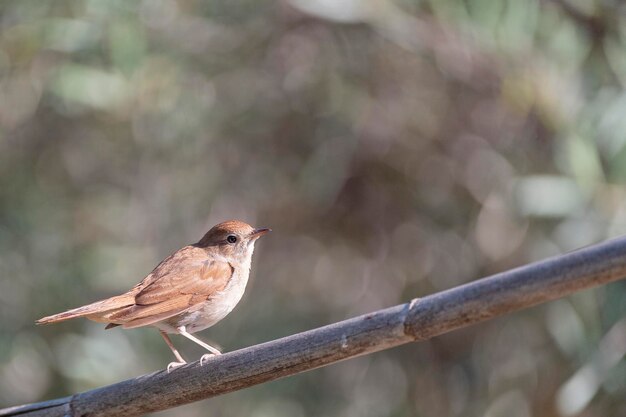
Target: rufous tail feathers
(98, 311)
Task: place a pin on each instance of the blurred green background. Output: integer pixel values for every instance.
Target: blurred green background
(396, 148)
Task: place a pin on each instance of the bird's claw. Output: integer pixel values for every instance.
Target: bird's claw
(174, 365)
(206, 357)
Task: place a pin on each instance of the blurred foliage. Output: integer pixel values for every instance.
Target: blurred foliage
(396, 148)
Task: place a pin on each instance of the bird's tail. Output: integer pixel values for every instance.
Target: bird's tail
(95, 311)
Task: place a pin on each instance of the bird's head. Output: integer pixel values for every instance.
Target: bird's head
(233, 240)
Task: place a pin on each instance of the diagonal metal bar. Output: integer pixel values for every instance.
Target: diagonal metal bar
(418, 319)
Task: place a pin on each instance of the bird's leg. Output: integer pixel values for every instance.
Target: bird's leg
(208, 347)
(179, 358)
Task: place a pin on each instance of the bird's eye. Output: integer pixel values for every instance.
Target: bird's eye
(231, 239)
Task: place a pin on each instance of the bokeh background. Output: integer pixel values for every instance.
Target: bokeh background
(397, 148)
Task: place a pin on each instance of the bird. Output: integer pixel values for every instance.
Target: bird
(189, 291)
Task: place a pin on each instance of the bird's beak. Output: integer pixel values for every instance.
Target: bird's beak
(257, 233)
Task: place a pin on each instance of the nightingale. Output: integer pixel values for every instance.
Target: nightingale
(190, 290)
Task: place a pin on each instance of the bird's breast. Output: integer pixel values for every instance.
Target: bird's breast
(214, 309)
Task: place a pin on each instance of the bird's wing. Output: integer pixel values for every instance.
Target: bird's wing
(185, 278)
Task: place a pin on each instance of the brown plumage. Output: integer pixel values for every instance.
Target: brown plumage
(190, 290)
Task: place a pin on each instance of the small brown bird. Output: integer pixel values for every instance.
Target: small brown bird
(190, 290)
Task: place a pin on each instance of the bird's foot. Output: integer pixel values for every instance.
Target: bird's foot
(174, 365)
(206, 357)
